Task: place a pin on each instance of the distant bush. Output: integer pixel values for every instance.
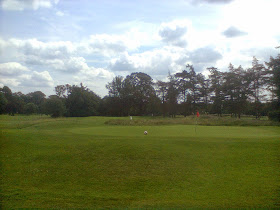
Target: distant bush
(30, 108)
(274, 115)
(54, 107)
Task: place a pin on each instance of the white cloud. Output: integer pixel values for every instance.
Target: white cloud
(139, 33)
(20, 78)
(11, 72)
(66, 55)
(154, 62)
(106, 44)
(12, 69)
(53, 55)
(43, 50)
(71, 65)
(48, 50)
(110, 45)
(37, 79)
(10, 82)
(92, 73)
(95, 79)
(19, 5)
(35, 52)
(159, 62)
(59, 13)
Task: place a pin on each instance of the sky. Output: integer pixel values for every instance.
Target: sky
(45, 43)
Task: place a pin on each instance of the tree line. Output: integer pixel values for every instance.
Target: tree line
(69, 101)
(252, 91)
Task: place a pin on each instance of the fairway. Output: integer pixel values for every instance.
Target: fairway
(84, 163)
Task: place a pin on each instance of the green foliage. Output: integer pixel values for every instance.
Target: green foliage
(161, 90)
(115, 88)
(7, 92)
(216, 79)
(3, 103)
(55, 107)
(191, 88)
(274, 115)
(82, 102)
(134, 95)
(38, 98)
(18, 102)
(75, 163)
(30, 108)
(139, 92)
(172, 95)
(274, 67)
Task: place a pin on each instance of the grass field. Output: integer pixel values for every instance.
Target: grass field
(93, 163)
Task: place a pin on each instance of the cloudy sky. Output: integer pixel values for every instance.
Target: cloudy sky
(44, 43)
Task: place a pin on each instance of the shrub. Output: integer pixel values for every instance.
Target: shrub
(54, 107)
(274, 115)
(30, 108)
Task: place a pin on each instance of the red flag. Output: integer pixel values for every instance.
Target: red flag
(197, 114)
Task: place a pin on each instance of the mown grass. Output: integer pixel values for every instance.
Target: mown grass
(83, 163)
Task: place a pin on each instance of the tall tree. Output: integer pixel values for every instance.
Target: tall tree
(259, 80)
(274, 70)
(162, 89)
(194, 90)
(30, 108)
(115, 87)
(38, 98)
(115, 103)
(183, 85)
(82, 102)
(138, 92)
(216, 83)
(10, 106)
(7, 92)
(18, 100)
(235, 88)
(172, 96)
(204, 85)
(229, 88)
(3, 103)
(54, 106)
(183, 82)
(62, 91)
(188, 86)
